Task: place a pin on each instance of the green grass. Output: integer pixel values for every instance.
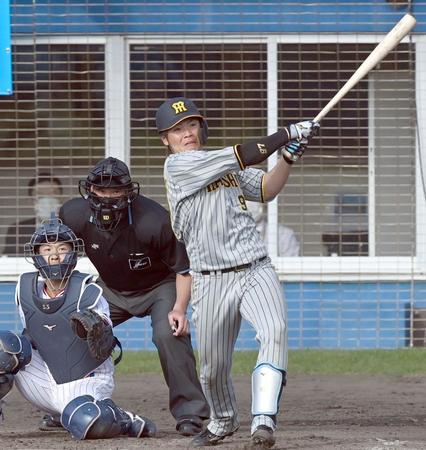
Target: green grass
(372, 362)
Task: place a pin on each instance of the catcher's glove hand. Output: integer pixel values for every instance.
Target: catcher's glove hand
(89, 326)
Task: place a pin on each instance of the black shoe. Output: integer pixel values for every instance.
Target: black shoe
(206, 438)
(141, 427)
(262, 438)
(189, 426)
(51, 423)
(150, 429)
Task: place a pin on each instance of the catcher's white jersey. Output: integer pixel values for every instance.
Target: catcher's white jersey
(206, 193)
(36, 384)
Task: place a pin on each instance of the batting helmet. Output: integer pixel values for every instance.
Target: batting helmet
(108, 173)
(52, 231)
(174, 110)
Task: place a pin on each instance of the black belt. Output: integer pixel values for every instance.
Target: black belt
(232, 269)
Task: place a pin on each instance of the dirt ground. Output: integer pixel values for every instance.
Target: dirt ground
(317, 412)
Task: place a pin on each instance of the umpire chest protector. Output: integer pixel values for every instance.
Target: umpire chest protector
(48, 325)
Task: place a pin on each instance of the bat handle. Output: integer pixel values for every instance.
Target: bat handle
(324, 112)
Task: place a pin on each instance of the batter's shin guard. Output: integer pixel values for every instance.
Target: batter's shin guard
(267, 387)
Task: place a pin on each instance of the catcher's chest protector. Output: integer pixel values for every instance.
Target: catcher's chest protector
(47, 323)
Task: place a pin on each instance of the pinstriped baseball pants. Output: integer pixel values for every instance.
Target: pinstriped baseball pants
(37, 385)
(219, 303)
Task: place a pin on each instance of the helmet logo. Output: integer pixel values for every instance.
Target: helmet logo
(105, 217)
(179, 107)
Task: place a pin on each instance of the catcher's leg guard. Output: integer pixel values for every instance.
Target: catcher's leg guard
(86, 418)
(267, 386)
(79, 415)
(15, 352)
(6, 383)
(132, 424)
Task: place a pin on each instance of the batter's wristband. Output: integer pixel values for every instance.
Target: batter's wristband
(255, 152)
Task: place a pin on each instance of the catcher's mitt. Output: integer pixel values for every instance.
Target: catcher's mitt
(89, 326)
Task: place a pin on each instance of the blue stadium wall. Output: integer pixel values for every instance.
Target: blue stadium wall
(320, 315)
(186, 17)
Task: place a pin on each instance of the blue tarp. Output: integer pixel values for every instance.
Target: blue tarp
(5, 49)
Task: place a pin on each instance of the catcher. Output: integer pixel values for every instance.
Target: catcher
(62, 362)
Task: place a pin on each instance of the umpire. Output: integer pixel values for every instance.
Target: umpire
(143, 270)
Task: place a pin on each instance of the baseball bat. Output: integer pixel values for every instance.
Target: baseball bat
(389, 42)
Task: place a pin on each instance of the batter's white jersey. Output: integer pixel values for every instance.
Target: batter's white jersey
(36, 384)
(206, 193)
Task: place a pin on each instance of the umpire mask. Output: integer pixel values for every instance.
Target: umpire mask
(174, 110)
(53, 231)
(107, 210)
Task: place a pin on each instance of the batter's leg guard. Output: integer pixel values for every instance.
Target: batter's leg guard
(267, 387)
(15, 352)
(86, 418)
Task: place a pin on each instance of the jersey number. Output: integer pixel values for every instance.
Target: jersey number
(243, 203)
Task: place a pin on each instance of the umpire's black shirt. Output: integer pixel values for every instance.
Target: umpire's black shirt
(130, 258)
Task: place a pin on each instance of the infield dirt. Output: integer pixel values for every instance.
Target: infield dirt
(317, 412)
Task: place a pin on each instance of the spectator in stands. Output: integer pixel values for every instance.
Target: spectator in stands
(45, 191)
(288, 244)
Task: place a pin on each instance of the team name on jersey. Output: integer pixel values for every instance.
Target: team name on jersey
(228, 181)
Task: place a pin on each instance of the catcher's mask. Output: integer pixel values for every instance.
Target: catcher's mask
(108, 211)
(174, 110)
(53, 231)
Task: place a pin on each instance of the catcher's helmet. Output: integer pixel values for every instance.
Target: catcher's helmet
(52, 231)
(174, 110)
(108, 173)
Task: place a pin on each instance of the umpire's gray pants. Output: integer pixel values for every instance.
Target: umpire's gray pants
(186, 397)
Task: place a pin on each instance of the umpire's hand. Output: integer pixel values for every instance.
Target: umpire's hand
(178, 323)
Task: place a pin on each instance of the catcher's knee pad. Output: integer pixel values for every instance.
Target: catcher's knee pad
(15, 352)
(267, 386)
(86, 418)
(6, 383)
(79, 415)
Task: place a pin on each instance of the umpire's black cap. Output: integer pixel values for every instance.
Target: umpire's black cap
(110, 172)
(176, 109)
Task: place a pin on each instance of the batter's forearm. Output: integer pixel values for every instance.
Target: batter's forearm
(275, 179)
(255, 152)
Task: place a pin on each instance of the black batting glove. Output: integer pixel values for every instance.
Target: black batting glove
(293, 150)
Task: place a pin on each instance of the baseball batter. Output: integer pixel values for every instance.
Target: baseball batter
(232, 275)
(55, 365)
